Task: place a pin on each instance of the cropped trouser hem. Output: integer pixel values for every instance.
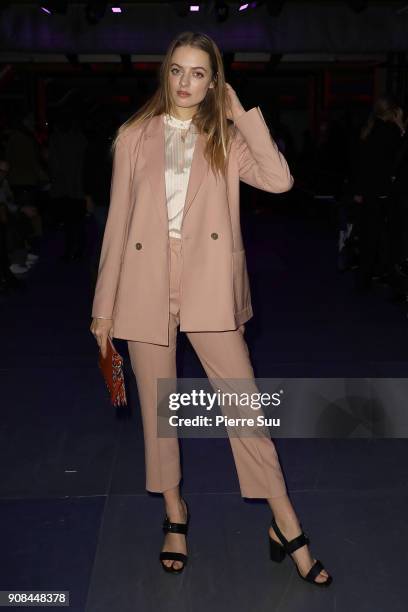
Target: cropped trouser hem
(152, 488)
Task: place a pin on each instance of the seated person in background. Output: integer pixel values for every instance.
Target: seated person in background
(21, 226)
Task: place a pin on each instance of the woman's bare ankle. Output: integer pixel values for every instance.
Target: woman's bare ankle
(174, 505)
(288, 525)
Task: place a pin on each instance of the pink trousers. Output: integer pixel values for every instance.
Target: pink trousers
(223, 355)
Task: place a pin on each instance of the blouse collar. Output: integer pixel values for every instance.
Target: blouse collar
(177, 123)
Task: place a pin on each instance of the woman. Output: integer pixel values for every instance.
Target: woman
(380, 141)
(172, 254)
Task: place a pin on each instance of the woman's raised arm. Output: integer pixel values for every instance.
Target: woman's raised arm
(260, 163)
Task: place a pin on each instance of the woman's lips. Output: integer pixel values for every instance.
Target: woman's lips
(183, 94)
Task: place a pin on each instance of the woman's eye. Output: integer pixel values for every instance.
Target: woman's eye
(176, 70)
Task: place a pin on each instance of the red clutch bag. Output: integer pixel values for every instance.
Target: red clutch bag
(112, 370)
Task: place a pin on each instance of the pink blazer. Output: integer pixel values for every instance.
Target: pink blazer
(132, 286)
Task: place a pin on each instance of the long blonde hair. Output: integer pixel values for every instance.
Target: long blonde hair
(384, 108)
(211, 116)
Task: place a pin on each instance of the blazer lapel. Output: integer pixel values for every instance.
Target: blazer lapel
(197, 173)
(155, 164)
(155, 167)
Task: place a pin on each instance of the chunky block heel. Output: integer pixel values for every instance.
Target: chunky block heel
(276, 551)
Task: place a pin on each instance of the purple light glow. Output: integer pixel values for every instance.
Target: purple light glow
(116, 9)
(43, 8)
(243, 7)
(194, 7)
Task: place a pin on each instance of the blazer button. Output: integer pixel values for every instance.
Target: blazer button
(138, 245)
(214, 235)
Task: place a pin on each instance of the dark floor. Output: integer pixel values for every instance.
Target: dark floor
(75, 514)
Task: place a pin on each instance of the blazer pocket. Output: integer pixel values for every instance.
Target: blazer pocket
(240, 279)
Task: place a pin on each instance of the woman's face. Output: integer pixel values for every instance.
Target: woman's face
(190, 72)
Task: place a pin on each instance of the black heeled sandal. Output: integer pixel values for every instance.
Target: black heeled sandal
(175, 556)
(278, 552)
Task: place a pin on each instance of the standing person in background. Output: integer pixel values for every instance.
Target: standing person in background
(66, 156)
(380, 140)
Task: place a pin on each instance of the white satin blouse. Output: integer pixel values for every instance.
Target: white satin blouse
(180, 141)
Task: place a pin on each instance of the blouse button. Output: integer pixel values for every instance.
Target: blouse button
(138, 245)
(214, 235)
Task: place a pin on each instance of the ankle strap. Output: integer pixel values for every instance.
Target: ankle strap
(297, 542)
(294, 544)
(174, 527)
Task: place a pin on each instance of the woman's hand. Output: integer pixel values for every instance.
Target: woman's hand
(101, 329)
(234, 106)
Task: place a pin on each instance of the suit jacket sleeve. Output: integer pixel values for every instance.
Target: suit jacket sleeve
(114, 235)
(260, 162)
